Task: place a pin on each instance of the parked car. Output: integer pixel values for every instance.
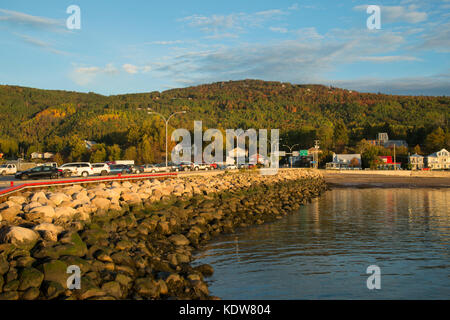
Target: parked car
(78, 169)
(39, 173)
(100, 169)
(174, 167)
(185, 166)
(159, 167)
(137, 168)
(8, 168)
(230, 167)
(120, 168)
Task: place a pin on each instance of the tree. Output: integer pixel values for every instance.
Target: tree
(436, 140)
(130, 153)
(58, 159)
(340, 138)
(98, 153)
(114, 152)
(417, 149)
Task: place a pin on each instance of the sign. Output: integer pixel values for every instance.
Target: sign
(280, 153)
(295, 153)
(303, 153)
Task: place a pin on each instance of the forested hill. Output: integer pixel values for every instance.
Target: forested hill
(56, 121)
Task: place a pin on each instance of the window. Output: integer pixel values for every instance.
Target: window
(36, 169)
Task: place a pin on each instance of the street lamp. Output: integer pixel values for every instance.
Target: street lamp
(167, 124)
(290, 150)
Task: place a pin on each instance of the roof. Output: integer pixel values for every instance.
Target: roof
(346, 157)
(434, 155)
(415, 155)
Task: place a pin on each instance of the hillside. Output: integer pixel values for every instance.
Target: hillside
(57, 121)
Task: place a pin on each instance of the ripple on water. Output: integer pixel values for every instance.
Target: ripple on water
(322, 251)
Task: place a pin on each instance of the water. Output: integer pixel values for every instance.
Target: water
(323, 251)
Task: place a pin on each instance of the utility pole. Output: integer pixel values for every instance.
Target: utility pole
(290, 150)
(395, 159)
(167, 125)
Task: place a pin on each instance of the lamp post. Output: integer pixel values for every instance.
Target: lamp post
(167, 125)
(290, 150)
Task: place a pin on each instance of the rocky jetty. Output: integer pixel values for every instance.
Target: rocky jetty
(135, 240)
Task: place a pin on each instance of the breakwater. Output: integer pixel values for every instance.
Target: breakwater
(135, 240)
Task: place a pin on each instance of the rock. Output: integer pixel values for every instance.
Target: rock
(49, 231)
(147, 287)
(101, 203)
(28, 207)
(123, 279)
(112, 288)
(179, 240)
(58, 198)
(42, 212)
(65, 212)
(12, 285)
(10, 213)
(4, 265)
(53, 289)
(205, 269)
(31, 294)
(9, 295)
(88, 289)
(18, 199)
(72, 245)
(56, 271)
(20, 237)
(30, 278)
(25, 261)
(131, 198)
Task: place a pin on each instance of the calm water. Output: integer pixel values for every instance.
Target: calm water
(323, 251)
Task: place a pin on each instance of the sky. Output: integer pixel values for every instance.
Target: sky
(141, 46)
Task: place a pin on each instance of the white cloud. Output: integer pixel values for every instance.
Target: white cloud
(383, 59)
(39, 43)
(278, 29)
(132, 69)
(86, 75)
(23, 19)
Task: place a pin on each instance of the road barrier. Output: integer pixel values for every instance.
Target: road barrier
(13, 189)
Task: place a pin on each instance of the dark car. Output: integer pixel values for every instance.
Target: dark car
(40, 173)
(120, 168)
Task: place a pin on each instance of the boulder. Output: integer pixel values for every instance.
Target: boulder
(49, 231)
(18, 199)
(65, 212)
(20, 237)
(55, 271)
(9, 214)
(131, 198)
(39, 197)
(179, 240)
(43, 211)
(101, 203)
(30, 278)
(58, 198)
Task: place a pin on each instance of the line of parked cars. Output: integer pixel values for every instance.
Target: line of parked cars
(85, 169)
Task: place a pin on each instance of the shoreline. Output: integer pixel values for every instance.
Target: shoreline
(144, 250)
(384, 180)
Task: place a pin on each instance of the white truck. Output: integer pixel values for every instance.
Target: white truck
(8, 168)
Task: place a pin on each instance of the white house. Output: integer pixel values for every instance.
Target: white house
(344, 161)
(439, 160)
(416, 161)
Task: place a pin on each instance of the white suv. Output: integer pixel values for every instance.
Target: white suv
(82, 169)
(100, 169)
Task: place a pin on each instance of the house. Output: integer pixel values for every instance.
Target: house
(89, 144)
(237, 152)
(439, 160)
(345, 161)
(383, 140)
(416, 161)
(386, 163)
(37, 155)
(48, 155)
(396, 143)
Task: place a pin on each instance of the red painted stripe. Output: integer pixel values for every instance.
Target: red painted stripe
(49, 183)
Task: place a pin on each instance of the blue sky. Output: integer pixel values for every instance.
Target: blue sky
(141, 46)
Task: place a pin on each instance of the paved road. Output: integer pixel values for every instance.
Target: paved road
(5, 181)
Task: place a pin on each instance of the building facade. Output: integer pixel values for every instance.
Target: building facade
(416, 161)
(439, 160)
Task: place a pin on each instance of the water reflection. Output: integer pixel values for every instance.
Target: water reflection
(323, 250)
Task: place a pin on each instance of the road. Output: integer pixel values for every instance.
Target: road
(5, 181)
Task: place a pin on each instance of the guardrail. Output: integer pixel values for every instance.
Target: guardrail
(14, 189)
